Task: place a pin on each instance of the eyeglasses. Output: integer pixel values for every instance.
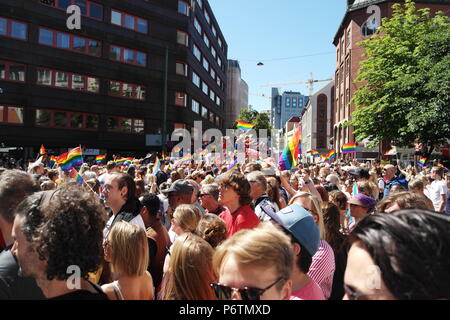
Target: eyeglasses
(355, 295)
(223, 292)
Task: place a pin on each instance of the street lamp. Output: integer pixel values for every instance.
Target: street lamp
(259, 64)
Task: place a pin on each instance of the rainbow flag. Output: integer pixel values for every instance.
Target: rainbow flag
(421, 162)
(315, 153)
(70, 159)
(233, 166)
(163, 156)
(168, 169)
(289, 157)
(124, 161)
(392, 152)
(186, 158)
(52, 161)
(441, 165)
(330, 156)
(100, 159)
(349, 147)
(156, 165)
(42, 150)
(74, 174)
(244, 125)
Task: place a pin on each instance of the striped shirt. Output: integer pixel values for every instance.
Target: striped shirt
(322, 268)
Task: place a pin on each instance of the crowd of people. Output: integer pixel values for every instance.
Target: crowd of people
(198, 231)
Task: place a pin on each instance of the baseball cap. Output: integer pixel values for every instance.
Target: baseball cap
(361, 172)
(180, 186)
(300, 224)
(364, 201)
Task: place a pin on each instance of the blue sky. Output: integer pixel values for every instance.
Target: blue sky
(264, 30)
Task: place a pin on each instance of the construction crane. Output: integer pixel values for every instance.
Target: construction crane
(261, 95)
(310, 83)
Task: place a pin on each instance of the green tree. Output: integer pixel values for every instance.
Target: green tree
(261, 120)
(406, 91)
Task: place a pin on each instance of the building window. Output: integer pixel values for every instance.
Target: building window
(211, 117)
(125, 125)
(197, 53)
(213, 73)
(207, 17)
(182, 38)
(348, 40)
(128, 21)
(126, 90)
(219, 82)
(88, 8)
(220, 42)
(70, 42)
(183, 7)
(205, 88)
(200, 3)
(128, 56)
(12, 71)
(180, 99)
(67, 80)
(214, 30)
(219, 62)
(66, 119)
(181, 68)
(205, 64)
(213, 52)
(198, 26)
(13, 29)
(288, 102)
(218, 101)
(212, 95)
(11, 114)
(204, 112)
(206, 39)
(195, 106)
(196, 79)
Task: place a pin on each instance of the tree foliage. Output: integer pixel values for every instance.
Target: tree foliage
(261, 120)
(406, 77)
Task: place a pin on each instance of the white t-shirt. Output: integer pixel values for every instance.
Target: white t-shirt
(138, 221)
(435, 190)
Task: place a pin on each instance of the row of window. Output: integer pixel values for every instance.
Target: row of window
(181, 99)
(88, 8)
(206, 90)
(208, 43)
(197, 53)
(71, 120)
(208, 20)
(86, 121)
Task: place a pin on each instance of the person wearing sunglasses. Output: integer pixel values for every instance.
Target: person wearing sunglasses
(254, 264)
(402, 255)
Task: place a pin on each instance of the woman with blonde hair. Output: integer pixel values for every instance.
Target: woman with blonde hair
(190, 270)
(185, 219)
(126, 248)
(323, 262)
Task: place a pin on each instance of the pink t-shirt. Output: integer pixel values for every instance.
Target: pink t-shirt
(311, 292)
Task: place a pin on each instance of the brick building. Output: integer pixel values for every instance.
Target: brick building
(355, 27)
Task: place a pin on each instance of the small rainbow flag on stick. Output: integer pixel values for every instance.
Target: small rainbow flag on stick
(392, 152)
(330, 156)
(244, 125)
(100, 159)
(124, 161)
(233, 166)
(42, 150)
(156, 165)
(421, 162)
(315, 153)
(74, 174)
(349, 147)
(70, 159)
(52, 161)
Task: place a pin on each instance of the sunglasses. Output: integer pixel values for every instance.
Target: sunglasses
(223, 292)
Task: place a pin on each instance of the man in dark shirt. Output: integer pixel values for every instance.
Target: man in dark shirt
(64, 226)
(15, 186)
(161, 176)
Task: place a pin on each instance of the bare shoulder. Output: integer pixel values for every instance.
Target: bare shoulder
(108, 289)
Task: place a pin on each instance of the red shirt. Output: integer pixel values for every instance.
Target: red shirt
(2, 242)
(242, 218)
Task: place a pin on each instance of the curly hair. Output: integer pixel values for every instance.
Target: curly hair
(212, 229)
(240, 185)
(65, 227)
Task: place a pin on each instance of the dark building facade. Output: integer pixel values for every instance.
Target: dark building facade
(103, 86)
(355, 28)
